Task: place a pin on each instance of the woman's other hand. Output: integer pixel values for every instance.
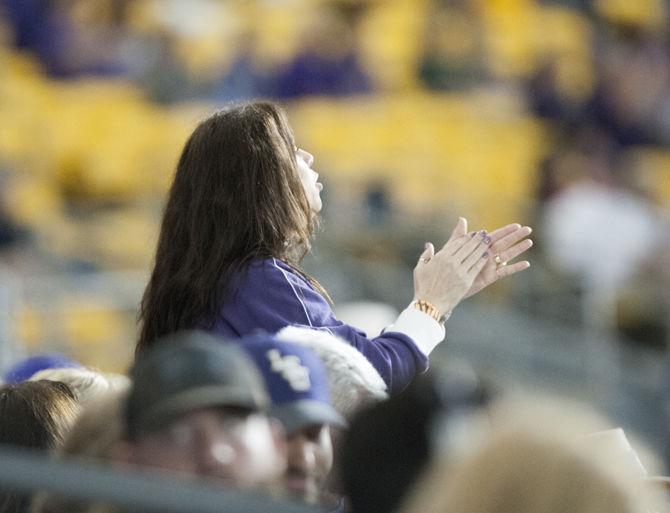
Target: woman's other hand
(507, 243)
(444, 278)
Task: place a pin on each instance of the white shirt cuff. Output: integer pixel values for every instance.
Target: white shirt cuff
(425, 331)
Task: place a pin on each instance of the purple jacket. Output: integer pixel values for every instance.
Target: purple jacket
(272, 296)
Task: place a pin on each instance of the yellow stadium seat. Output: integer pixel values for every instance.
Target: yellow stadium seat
(30, 328)
(391, 42)
(34, 200)
(475, 150)
(566, 36)
(125, 239)
(96, 334)
(645, 13)
(25, 99)
(651, 172)
(86, 328)
(509, 33)
(278, 28)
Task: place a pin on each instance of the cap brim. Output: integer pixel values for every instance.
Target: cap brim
(195, 399)
(307, 412)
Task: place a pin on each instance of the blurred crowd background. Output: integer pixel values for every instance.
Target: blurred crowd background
(554, 114)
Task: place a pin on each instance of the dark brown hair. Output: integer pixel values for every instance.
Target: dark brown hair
(34, 415)
(236, 197)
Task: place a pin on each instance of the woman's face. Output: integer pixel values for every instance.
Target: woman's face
(308, 178)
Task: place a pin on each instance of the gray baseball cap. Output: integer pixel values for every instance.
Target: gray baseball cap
(186, 371)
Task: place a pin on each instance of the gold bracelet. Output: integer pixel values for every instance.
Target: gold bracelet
(426, 307)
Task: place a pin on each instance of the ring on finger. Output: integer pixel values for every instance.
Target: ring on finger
(499, 261)
(424, 259)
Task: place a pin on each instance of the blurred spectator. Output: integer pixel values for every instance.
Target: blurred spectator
(196, 407)
(73, 37)
(327, 63)
(41, 27)
(87, 384)
(633, 69)
(34, 415)
(15, 237)
(535, 469)
(578, 151)
(546, 98)
(596, 225)
(390, 444)
(96, 435)
(603, 232)
(353, 382)
(453, 55)
(246, 78)
(297, 383)
(10, 232)
(379, 208)
(600, 232)
(27, 21)
(163, 74)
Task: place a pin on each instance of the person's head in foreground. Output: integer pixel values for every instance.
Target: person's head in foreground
(298, 386)
(535, 466)
(95, 435)
(34, 415)
(242, 190)
(352, 380)
(197, 407)
(390, 444)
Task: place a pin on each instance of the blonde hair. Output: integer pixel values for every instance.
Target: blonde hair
(536, 468)
(99, 427)
(88, 385)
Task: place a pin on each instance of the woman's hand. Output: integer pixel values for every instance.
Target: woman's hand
(444, 278)
(507, 243)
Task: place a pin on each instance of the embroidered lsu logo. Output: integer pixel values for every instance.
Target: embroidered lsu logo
(291, 370)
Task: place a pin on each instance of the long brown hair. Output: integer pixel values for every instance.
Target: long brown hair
(236, 197)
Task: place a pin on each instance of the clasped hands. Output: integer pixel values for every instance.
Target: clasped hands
(468, 263)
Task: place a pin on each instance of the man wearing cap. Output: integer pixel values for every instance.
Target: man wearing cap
(297, 382)
(197, 407)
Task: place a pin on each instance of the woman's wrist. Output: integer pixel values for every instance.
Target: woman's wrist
(428, 308)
